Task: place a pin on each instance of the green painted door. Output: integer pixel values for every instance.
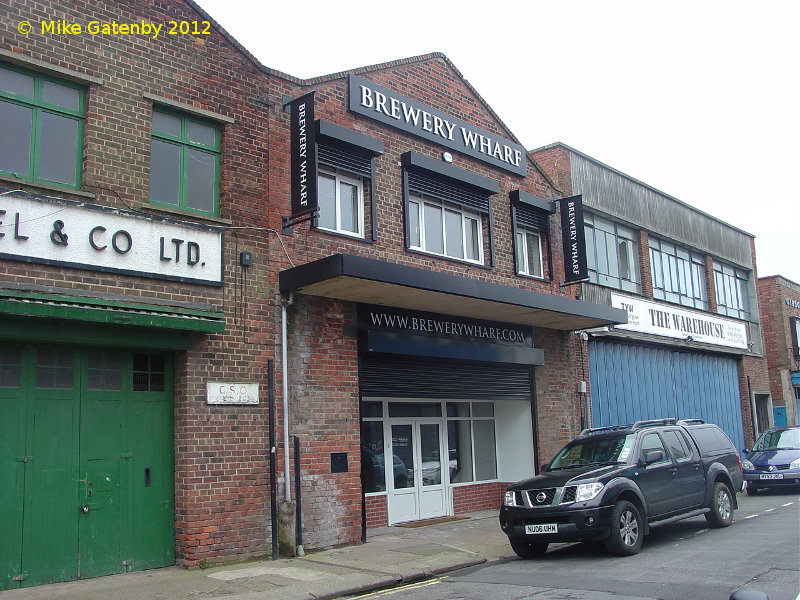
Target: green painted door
(86, 449)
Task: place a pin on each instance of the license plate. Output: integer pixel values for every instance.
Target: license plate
(542, 528)
(771, 476)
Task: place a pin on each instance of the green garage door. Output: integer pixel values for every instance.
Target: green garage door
(86, 463)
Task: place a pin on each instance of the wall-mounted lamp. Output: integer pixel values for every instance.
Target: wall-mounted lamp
(689, 338)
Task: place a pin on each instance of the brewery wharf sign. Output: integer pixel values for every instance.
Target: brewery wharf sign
(573, 239)
(446, 326)
(670, 321)
(382, 104)
(87, 236)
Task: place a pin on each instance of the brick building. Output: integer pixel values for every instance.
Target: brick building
(132, 175)
(692, 346)
(430, 347)
(779, 300)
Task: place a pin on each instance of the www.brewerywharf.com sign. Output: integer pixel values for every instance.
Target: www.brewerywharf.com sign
(413, 322)
(387, 106)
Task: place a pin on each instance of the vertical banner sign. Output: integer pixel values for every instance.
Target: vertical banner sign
(304, 156)
(573, 239)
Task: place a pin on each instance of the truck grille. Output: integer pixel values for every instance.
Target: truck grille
(569, 494)
(541, 497)
(550, 496)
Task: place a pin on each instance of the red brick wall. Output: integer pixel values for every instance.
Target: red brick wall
(775, 315)
(324, 412)
(377, 511)
(481, 496)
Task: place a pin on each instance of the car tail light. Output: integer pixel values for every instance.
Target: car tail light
(739, 460)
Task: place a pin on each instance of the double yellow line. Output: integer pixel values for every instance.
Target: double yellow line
(410, 586)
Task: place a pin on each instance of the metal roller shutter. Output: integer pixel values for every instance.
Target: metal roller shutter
(631, 382)
(388, 376)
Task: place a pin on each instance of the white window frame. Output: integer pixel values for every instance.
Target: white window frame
(340, 177)
(523, 266)
(417, 201)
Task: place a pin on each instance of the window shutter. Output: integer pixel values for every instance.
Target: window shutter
(338, 158)
(422, 183)
(533, 218)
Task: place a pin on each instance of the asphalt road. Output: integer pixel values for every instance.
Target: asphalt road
(682, 561)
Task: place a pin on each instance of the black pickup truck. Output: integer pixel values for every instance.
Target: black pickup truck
(615, 483)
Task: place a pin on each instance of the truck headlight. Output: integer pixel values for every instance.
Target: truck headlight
(748, 466)
(512, 499)
(587, 491)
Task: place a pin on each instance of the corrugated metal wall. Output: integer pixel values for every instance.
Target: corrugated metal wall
(631, 383)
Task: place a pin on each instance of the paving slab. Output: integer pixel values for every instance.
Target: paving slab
(391, 556)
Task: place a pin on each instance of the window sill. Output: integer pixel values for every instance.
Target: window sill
(448, 258)
(339, 234)
(481, 482)
(534, 277)
(185, 213)
(48, 187)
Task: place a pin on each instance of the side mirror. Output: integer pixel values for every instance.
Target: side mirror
(653, 456)
(543, 466)
(745, 450)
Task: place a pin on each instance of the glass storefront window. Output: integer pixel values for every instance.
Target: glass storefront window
(372, 456)
(458, 409)
(459, 444)
(415, 409)
(485, 454)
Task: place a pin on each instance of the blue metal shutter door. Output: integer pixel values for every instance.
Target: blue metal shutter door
(631, 382)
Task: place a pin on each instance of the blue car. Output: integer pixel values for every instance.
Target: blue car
(774, 461)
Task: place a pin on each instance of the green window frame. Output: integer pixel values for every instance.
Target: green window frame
(41, 126)
(185, 162)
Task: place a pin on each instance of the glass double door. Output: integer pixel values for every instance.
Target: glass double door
(418, 479)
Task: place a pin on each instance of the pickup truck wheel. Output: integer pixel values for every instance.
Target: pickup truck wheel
(721, 514)
(627, 530)
(525, 549)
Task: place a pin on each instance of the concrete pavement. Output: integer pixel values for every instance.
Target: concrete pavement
(391, 556)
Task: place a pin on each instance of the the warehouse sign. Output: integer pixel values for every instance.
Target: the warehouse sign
(670, 321)
(87, 236)
(389, 107)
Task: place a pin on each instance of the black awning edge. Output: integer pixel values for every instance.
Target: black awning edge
(359, 267)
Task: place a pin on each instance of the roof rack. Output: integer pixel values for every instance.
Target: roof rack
(691, 422)
(596, 430)
(654, 423)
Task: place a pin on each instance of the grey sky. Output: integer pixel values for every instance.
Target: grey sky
(697, 98)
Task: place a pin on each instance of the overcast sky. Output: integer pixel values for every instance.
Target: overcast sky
(697, 98)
